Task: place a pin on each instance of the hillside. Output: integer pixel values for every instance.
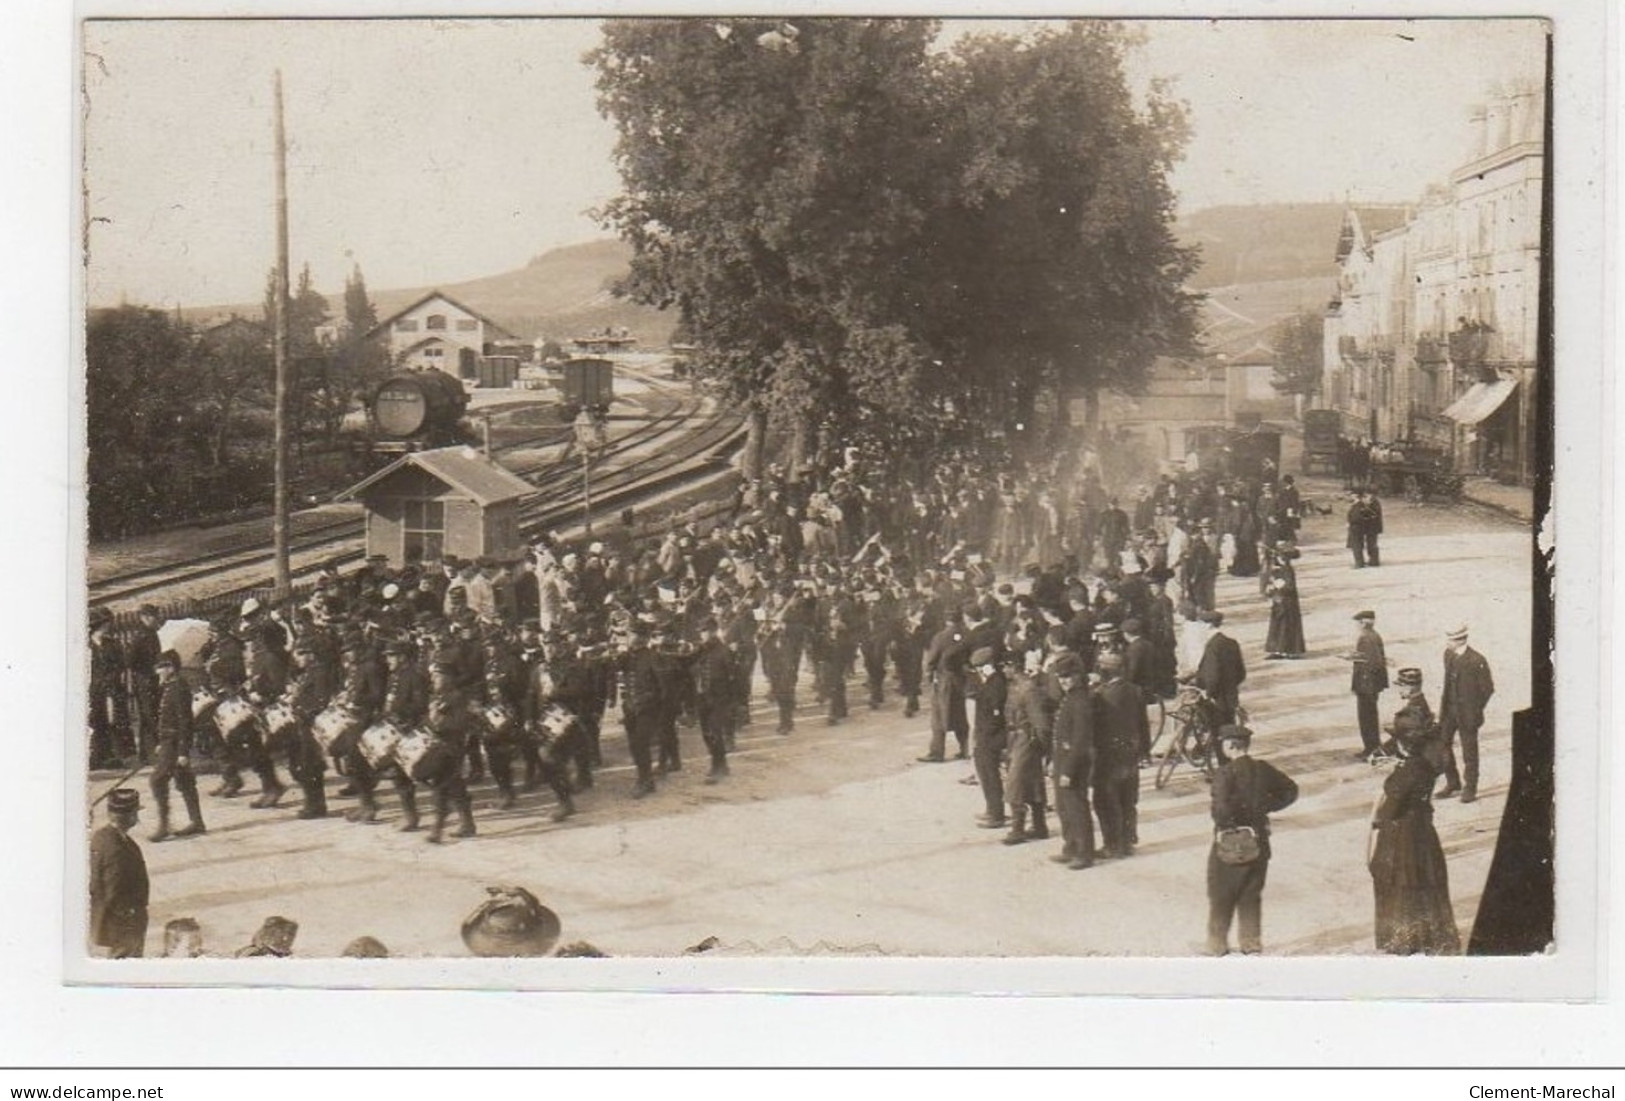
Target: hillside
(1260, 263)
(1263, 244)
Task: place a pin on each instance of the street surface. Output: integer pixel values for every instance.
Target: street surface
(835, 840)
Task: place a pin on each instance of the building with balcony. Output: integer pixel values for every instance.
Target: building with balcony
(1432, 335)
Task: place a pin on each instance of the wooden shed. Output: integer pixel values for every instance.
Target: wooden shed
(451, 501)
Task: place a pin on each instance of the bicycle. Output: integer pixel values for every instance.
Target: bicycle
(1193, 741)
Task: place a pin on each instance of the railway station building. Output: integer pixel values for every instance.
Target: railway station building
(451, 501)
(439, 333)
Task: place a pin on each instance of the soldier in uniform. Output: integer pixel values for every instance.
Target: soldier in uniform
(267, 678)
(141, 655)
(671, 672)
(640, 704)
(362, 691)
(908, 651)
(838, 650)
(504, 687)
(119, 887)
(109, 720)
(715, 696)
(172, 760)
(1246, 791)
(449, 719)
(1028, 722)
(406, 700)
(880, 633)
(1073, 764)
(309, 691)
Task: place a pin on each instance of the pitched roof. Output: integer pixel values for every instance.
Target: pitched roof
(462, 468)
(1259, 355)
(446, 298)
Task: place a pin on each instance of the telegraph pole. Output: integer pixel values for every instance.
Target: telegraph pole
(279, 345)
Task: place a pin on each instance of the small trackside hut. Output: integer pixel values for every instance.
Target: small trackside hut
(452, 501)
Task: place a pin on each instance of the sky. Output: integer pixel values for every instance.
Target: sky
(435, 151)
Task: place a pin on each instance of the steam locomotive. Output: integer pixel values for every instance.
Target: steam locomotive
(416, 410)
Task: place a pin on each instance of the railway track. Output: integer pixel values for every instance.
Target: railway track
(317, 538)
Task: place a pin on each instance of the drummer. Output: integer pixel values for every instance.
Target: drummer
(406, 698)
(307, 694)
(362, 693)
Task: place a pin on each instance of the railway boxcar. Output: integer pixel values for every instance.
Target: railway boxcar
(419, 408)
(587, 384)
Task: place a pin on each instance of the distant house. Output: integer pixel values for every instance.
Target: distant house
(439, 333)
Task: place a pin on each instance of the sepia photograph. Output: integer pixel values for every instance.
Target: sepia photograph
(747, 488)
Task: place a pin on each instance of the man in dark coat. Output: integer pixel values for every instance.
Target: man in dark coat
(990, 735)
(716, 698)
(171, 759)
(1120, 741)
(1365, 525)
(118, 881)
(945, 662)
(109, 716)
(1114, 532)
(1222, 670)
(141, 656)
(1468, 687)
(1370, 680)
(1073, 758)
(1246, 791)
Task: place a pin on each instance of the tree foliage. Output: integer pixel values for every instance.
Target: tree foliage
(864, 230)
(1299, 342)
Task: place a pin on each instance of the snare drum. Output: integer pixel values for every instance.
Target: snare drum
(555, 728)
(499, 722)
(378, 743)
(334, 728)
(235, 719)
(204, 700)
(423, 756)
(280, 721)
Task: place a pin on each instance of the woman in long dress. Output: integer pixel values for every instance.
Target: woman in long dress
(1285, 638)
(1409, 877)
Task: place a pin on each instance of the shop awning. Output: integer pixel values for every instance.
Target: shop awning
(1480, 401)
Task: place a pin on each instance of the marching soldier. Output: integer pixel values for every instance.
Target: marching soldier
(838, 651)
(715, 696)
(307, 694)
(172, 760)
(267, 678)
(504, 688)
(449, 719)
(640, 704)
(362, 690)
(406, 700)
(671, 672)
(879, 639)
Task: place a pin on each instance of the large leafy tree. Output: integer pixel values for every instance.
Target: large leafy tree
(865, 231)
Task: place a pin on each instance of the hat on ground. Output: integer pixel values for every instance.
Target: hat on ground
(511, 922)
(124, 801)
(169, 658)
(982, 656)
(1367, 615)
(366, 948)
(1457, 633)
(183, 939)
(1067, 665)
(1409, 678)
(275, 938)
(1230, 732)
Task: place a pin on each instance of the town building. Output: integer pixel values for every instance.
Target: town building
(438, 333)
(1431, 337)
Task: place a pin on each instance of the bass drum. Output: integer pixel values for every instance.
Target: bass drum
(237, 722)
(204, 700)
(378, 743)
(335, 729)
(424, 756)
